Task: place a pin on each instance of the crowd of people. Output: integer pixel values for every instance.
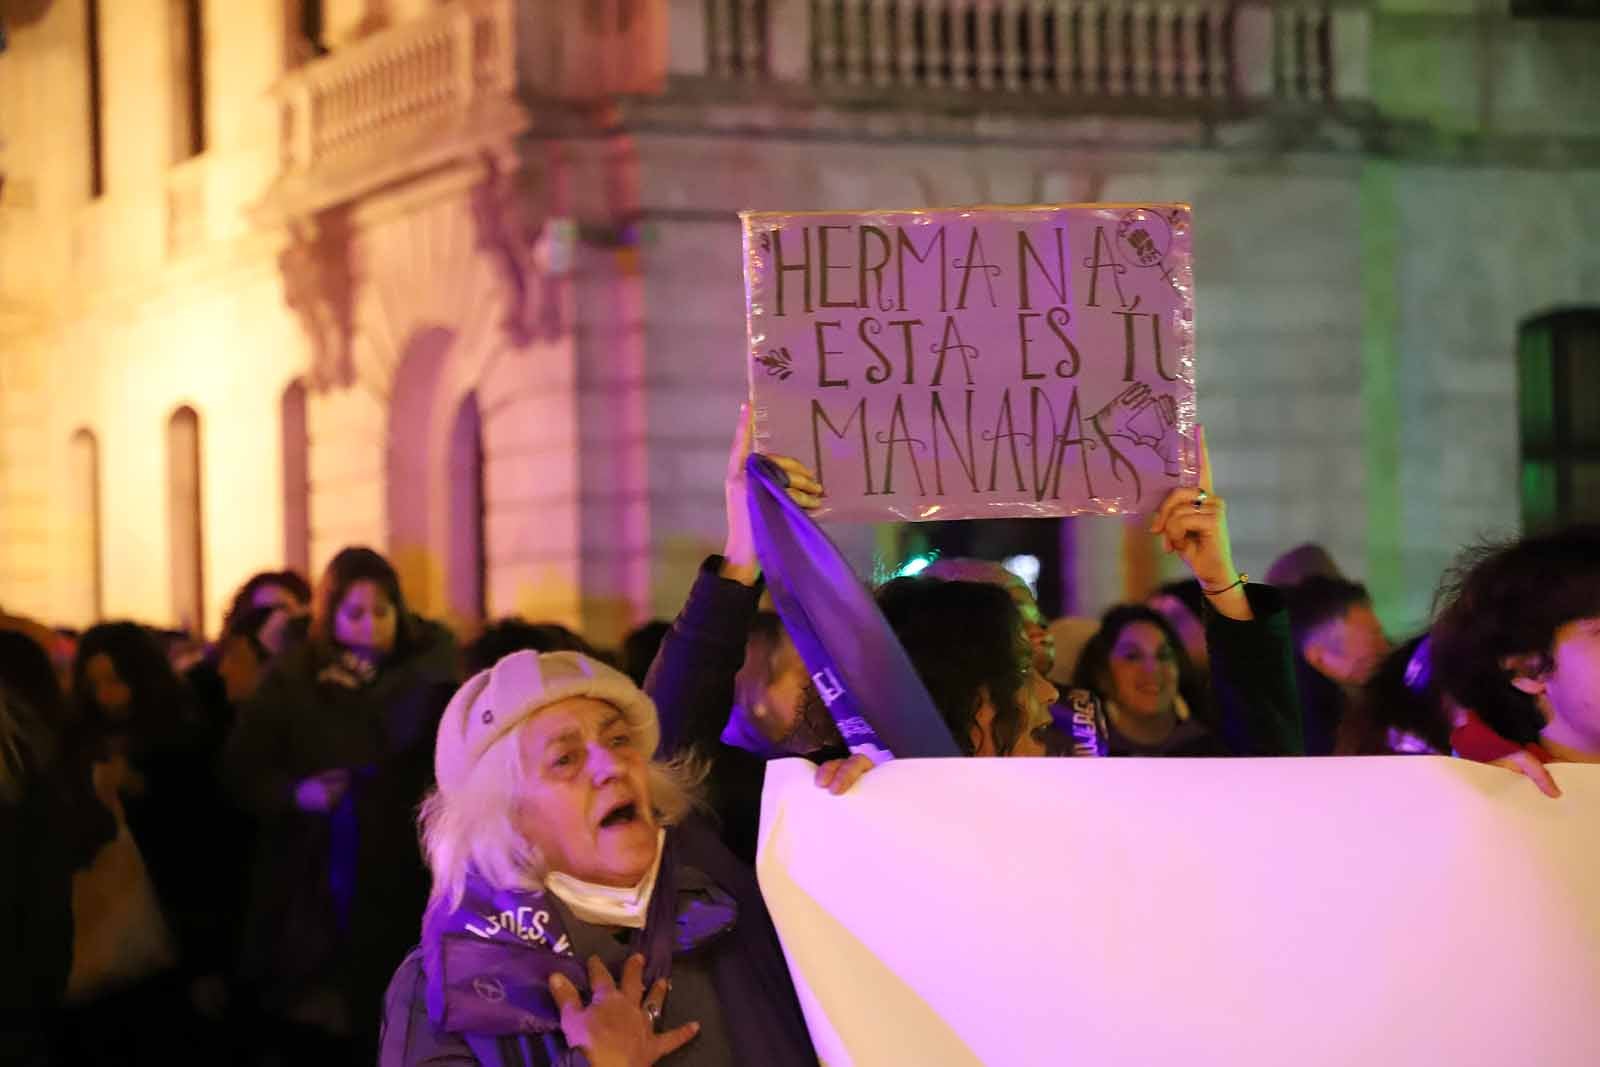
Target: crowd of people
(335, 835)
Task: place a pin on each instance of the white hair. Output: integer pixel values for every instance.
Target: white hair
(474, 827)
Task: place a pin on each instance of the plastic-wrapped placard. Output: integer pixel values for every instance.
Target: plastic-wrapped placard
(980, 362)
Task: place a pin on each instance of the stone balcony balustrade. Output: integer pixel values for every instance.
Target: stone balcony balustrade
(456, 81)
(1120, 55)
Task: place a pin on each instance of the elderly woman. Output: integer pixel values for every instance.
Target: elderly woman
(563, 855)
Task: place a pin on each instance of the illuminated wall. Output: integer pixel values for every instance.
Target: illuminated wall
(546, 251)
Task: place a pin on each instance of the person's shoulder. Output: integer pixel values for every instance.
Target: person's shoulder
(433, 647)
(407, 983)
(1194, 739)
(291, 681)
(700, 845)
(408, 1038)
(297, 664)
(431, 634)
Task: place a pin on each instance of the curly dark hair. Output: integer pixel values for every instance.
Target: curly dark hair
(247, 625)
(243, 600)
(162, 704)
(965, 640)
(1403, 695)
(639, 648)
(1094, 662)
(505, 636)
(1320, 600)
(1509, 599)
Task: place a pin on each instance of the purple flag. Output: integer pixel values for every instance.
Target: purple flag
(860, 670)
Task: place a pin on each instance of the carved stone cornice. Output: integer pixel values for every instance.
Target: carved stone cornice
(319, 284)
(396, 105)
(506, 208)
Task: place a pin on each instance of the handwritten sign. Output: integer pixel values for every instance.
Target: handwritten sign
(995, 362)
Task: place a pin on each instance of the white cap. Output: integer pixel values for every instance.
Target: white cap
(495, 702)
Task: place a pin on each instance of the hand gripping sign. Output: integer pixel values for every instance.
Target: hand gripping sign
(989, 362)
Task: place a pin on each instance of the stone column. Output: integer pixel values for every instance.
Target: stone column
(686, 38)
(1253, 51)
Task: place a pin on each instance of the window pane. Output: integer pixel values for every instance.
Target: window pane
(1584, 501)
(1540, 497)
(82, 606)
(183, 521)
(1536, 387)
(1579, 342)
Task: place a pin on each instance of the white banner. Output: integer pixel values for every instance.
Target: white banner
(1387, 911)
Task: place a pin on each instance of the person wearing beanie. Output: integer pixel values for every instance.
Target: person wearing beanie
(572, 879)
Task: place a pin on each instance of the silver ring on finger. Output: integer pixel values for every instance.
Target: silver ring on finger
(1200, 499)
(654, 1013)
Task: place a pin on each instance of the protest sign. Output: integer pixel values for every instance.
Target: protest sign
(1235, 912)
(985, 362)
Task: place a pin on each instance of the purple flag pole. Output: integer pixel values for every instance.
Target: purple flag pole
(863, 675)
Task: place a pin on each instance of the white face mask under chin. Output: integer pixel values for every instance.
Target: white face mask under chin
(604, 905)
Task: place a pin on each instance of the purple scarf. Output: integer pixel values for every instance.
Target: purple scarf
(861, 672)
(489, 960)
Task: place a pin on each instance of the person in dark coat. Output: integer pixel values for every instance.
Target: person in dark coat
(326, 757)
(136, 729)
(1078, 721)
(571, 881)
(703, 664)
(1401, 711)
(1136, 662)
(51, 824)
(1339, 645)
(253, 636)
(1157, 704)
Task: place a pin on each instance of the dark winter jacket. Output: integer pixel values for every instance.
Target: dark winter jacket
(692, 684)
(477, 992)
(171, 798)
(1255, 702)
(36, 864)
(319, 879)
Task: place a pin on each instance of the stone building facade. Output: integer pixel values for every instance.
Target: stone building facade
(461, 279)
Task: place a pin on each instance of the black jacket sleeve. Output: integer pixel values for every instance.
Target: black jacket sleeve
(692, 678)
(252, 761)
(1252, 678)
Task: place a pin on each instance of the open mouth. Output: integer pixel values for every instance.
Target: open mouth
(624, 814)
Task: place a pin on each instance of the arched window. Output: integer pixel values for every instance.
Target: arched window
(464, 571)
(185, 535)
(415, 450)
(296, 451)
(86, 602)
(186, 31)
(1558, 372)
